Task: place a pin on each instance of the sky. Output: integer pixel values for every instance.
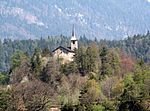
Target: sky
(148, 0)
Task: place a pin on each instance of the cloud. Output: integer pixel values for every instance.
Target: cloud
(148, 0)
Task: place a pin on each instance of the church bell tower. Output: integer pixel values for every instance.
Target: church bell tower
(74, 40)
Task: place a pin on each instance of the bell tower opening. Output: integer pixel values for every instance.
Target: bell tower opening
(73, 42)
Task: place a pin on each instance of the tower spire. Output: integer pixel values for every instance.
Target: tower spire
(74, 41)
(73, 31)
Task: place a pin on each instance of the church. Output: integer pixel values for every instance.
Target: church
(66, 54)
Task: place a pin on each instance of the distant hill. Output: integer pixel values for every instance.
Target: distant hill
(137, 46)
(104, 19)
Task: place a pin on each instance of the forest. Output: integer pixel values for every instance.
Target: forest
(104, 76)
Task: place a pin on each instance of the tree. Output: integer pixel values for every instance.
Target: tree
(69, 68)
(1, 56)
(5, 102)
(98, 108)
(18, 58)
(107, 86)
(24, 70)
(51, 73)
(80, 59)
(32, 96)
(92, 59)
(70, 91)
(36, 63)
(46, 52)
(105, 65)
(90, 93)
(132, 98)
(4, 78)
(87, 59)
(115, 62)
(127, 64)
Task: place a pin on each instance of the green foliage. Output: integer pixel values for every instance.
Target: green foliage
(109, 105)
(118, 89)
(5, 101)
(98, 108)
(50, 73)
(87, 59)
(115, 62)
(80, 59)
(129, 82)
(135, 92)
(1, 55)
(46, 52)
(90, 93)
(92, 58)
(137, 46)
(69, 68)
(36, 63)
(105, 63)
(17, 58)
(4, 78)
(99, 79)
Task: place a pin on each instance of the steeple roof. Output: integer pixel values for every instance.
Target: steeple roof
(73, 34)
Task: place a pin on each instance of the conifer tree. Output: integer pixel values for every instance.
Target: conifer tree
(80, 59)
(18, 58)
(92, 58)
(105, 65)
(36, 63)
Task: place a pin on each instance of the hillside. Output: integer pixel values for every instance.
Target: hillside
(104, 19)
(137, 46)
(100, 78)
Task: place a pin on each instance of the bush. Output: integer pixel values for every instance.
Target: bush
(98, 108)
